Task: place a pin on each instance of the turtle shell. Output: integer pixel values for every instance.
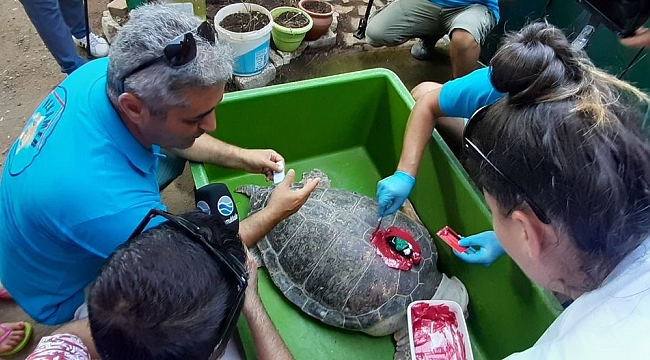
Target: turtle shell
(322, 260)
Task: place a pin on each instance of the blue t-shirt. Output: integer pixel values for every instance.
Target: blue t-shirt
(461, 97)
(492, 5)
(75, 185)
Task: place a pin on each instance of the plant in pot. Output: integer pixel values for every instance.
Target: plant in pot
(246, 28)
(321, 13)
(290, 25)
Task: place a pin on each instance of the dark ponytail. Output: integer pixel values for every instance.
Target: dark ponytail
(536, 64)
(565, 133)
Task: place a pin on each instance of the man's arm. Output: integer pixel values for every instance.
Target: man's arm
(282, 203)
(641, 38)
(267, 340)
(207, 149)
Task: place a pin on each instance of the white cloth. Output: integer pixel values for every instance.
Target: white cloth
(60, 347)
(611, 322)
(70, 347)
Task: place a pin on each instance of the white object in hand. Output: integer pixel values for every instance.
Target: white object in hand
(278, 176)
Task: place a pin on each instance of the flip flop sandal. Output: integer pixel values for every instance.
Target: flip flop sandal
(23, 342)
(4, 294)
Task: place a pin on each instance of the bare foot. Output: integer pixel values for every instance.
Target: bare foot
(4, 294)
(17, 334)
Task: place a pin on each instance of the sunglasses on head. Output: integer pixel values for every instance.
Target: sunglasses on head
(178, 52)
(192, 231)
(473, 150)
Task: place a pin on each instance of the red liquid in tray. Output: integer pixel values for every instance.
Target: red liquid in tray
(436, 335)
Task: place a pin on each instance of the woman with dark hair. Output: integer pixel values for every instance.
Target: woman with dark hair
(565, 170)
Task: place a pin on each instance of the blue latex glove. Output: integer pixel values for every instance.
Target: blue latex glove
(489, 248)
(393, 191)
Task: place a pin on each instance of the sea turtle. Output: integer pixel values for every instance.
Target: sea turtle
(322, 260)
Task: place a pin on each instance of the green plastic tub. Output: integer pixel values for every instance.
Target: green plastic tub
(351, 126)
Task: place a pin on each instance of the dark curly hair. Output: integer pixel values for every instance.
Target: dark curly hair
(162, 296)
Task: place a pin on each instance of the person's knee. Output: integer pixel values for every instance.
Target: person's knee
(462, 40)
(375, 33)
(423, 88)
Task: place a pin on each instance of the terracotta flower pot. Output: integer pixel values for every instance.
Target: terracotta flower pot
(322, 21)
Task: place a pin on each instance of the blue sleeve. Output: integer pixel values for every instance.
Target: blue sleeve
(463, 96)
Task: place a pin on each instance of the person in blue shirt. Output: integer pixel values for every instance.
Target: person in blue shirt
(443, 107)
(83, 172)
(466, 22)
(437, 106)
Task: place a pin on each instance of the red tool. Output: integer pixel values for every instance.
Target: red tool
(451, 238)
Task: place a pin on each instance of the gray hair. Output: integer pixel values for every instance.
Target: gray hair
(159, 86)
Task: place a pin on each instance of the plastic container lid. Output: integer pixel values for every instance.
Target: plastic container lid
(437, 331)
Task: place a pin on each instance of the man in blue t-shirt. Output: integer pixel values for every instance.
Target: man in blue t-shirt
(466, 22)
(83, 172)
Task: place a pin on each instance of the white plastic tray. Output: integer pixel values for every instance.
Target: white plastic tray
(452, 336)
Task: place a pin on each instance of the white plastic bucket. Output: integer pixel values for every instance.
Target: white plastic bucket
(250, 49)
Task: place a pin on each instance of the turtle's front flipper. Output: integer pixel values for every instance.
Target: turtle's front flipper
(402, 347)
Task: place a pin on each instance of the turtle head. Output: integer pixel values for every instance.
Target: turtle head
(249, 190)
(259, 195)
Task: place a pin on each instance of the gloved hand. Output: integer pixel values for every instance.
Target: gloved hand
(393, 191)
(489, 248)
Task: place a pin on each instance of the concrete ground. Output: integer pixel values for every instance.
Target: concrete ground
(28, 73)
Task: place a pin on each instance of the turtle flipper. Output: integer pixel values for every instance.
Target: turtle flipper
(402, 344)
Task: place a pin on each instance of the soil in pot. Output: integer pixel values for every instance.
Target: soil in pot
(317, 7)
(245, 22)
(292, 20)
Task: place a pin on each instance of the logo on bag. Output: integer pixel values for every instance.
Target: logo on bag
(225, 205)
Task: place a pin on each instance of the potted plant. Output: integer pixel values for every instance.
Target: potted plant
(247, 29)
(290, 25)
(321, 13)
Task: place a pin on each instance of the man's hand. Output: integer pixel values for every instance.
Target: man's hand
(285, 201)
(261, 161)
(641, 38)
(489, 248)
(393, 191)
